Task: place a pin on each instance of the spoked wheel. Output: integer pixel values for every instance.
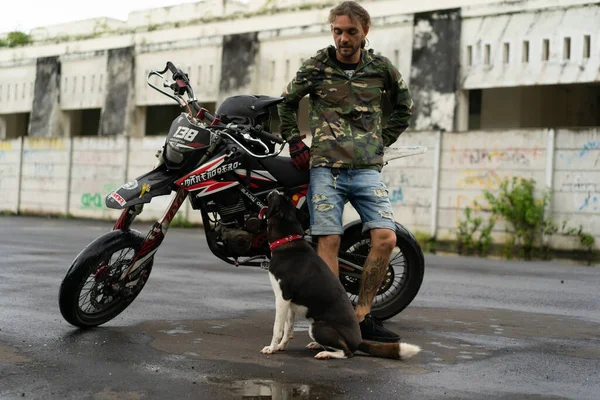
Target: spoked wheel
(402, 280)
(92, 292)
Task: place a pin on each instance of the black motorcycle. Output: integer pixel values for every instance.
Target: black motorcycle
(225, 165)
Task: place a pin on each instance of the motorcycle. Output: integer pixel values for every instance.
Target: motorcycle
(225, 164)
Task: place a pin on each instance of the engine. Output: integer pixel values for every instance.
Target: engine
(238, 229)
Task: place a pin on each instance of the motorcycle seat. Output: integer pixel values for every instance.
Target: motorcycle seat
(284, 171)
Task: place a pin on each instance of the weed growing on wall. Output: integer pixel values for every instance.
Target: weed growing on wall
(473, 236)
(526, 218)
(16, 38)
(427, 242)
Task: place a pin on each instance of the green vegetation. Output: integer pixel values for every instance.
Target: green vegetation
(527, 223)
(16, 38)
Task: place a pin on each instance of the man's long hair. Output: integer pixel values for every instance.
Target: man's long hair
(357, 14)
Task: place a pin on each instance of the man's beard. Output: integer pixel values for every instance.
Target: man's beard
(354, 50)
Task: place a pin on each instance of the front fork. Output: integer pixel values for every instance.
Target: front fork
(156, 234)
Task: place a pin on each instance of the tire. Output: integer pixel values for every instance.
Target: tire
(402, 286)
(94, 262)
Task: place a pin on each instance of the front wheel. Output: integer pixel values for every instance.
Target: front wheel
(404, 274)
(92, 292)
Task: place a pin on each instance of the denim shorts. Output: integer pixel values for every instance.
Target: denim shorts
(363, 188)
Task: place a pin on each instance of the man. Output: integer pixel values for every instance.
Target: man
(346, 84)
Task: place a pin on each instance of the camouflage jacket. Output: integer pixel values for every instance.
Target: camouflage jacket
(345, 112)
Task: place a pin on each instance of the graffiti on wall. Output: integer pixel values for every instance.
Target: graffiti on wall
(479, 179)
(577, 184)
(585, 152)
(399, 184)
(510, 156)
(5, 146)
(91, 200)
(95, 201)
(590, 202)
(395, 182)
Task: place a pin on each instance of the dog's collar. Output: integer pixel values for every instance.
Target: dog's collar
(284, 240)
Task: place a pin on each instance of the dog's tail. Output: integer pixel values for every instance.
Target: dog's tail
(397, 350)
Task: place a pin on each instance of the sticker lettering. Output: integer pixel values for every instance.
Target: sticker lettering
(118, 198)
(204, 176)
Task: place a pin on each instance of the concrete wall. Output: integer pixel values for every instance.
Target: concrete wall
(83, 80)
(429, 192)
(474, 161)
(576, 178)
(202, 62)
(512, 24)
(45, 175)
(17, 88)
(10, 172)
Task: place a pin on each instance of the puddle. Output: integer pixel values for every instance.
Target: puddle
(9, 355)
(268, 389)
(108, 394)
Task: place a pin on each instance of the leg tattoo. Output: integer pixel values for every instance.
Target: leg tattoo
(372, 277)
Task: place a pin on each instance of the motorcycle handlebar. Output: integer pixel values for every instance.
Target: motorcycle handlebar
(258, 132)
(238, 128)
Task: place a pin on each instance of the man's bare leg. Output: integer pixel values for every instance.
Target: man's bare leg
(328, 248)
(375, 267)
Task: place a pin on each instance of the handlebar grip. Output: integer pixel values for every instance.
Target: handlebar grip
(171, 67)
(267, 136)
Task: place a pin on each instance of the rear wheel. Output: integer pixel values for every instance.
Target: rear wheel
(92, 292)
(403, 278)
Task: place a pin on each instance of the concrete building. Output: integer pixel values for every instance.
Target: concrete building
(470, 64)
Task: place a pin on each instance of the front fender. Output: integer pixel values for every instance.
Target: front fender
(142, 189)
(401, 231)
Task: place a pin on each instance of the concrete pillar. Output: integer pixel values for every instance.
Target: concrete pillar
(462, 111)
(70, 123)
(3, 127)
(140, 121)
(46, 115)
(435, 68)
(118, 114)
(238, 64)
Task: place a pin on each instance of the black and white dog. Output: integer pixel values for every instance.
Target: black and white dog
(303, 283)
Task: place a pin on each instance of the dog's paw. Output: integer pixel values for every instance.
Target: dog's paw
(326, 355)
(268, 350)
(313, 346)
(281, 346)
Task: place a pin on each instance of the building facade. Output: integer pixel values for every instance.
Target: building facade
(470, 64)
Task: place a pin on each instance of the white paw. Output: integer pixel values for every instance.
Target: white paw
(324, 355)
(313, 346)
(281, 346)
(268, 350)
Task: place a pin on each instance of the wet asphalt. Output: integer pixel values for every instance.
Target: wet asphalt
(489, 329)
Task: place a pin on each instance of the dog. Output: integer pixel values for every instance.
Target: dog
(303, 284)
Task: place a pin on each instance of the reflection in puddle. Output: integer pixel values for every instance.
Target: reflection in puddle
(267, 389)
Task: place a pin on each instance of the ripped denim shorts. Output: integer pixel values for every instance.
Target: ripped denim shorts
(329, 190)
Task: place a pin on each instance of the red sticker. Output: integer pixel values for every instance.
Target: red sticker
(117, 197)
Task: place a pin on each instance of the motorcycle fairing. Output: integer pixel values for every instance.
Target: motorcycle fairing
(142, 189)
